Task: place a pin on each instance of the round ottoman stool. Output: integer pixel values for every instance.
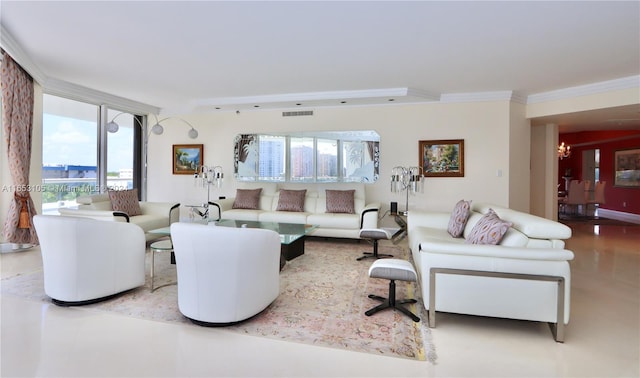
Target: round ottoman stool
(392, 269)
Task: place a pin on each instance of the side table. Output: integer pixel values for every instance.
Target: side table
(159, 246)
(402, 232)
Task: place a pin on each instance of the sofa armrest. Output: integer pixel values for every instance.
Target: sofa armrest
(477, 250)
(103, 215)
(438, 220)
(160, 209)
(215, 211)
(369, 216)
(220, 206)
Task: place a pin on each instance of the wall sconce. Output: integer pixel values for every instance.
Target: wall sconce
(564, 151)
(407, 179)
(157, 129)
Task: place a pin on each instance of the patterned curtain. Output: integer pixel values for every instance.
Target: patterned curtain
(17, 122)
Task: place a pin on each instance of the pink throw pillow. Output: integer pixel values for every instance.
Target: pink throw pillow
(125, 201)
(459, 217)
(340, 201)
(489, 230)
(291, 200)
(247, 199)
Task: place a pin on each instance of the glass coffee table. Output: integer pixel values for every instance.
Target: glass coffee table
(292, 235)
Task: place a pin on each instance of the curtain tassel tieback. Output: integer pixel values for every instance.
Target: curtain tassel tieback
(24, 221)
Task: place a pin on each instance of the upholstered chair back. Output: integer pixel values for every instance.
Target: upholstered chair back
(225, 274)
(86, 260)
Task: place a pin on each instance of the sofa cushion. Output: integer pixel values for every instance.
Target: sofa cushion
(459, 217)
(125, 201)
(489, 230)
(242, 214)
(515, 238)
(336, 221)
(298, 217)
(340, 201)
(291, 200)
(149, 222)
(247, 199)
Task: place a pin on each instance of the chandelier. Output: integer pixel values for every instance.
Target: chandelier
(564, 151)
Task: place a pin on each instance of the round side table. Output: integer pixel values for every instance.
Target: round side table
(159, 246)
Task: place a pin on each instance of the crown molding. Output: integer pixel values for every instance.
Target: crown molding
(80, 93)
(66, 89)
(12, 48)
(584, 90)
(480, 97)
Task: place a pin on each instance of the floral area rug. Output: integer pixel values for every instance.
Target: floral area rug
(323, 297)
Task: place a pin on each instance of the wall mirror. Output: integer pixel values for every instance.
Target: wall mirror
(308, 156)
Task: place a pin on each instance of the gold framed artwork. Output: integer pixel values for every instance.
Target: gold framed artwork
(627, 168)
(187, 158)
(442, 158)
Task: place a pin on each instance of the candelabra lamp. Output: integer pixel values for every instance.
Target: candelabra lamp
(410, 180)
(206, 177)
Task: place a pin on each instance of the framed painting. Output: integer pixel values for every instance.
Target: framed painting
(187, 158)
(442, 158)
(627, 168)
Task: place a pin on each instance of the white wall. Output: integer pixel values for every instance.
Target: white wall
(519, 158)
(484, 126)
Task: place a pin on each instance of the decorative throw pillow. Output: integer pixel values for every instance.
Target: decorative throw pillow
(459, 217)
(340, 201)
(291, 200)
(125, 201)
(247, 199)
(489, 230)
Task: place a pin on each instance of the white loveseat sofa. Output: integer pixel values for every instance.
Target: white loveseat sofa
(154, 214)
(334, 225)
(526, 276)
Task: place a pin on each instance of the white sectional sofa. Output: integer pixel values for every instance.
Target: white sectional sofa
(335, 225)
(526, 276)
(154, 214)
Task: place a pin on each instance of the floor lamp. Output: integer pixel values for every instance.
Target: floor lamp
(408, 179)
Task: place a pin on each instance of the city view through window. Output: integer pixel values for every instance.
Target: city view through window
(71, 148)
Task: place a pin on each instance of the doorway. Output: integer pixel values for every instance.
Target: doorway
(591, 169)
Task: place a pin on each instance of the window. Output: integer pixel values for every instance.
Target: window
(78, 158)
(342, 156)
(302, 159)
(327, 160)
(69, 151)
(120, 151)
(274, 149)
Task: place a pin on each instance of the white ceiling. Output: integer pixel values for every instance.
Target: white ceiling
(196, 56)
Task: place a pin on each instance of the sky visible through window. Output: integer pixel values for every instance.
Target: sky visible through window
(69, 141)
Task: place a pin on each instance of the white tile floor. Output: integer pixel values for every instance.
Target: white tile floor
(602, 339)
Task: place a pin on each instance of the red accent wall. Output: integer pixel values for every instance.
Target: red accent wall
(608, 142)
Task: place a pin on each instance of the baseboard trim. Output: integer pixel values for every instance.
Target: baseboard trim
(619, 215)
